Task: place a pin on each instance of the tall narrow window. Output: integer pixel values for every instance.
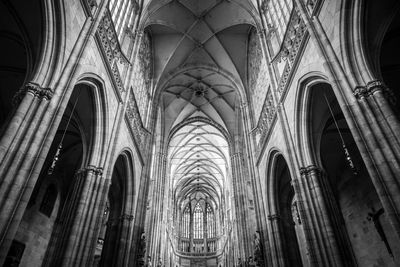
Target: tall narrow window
(210, 222)
(198, 221)
(198, 228)
(185, 223)
(48, 201)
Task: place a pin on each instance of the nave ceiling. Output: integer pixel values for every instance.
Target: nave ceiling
(200, 57)
(200, 53)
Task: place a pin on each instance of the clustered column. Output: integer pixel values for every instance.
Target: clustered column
(317, 209)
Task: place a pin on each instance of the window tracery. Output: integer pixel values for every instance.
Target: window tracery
(198, 228)
(277, 13)
(123, 14)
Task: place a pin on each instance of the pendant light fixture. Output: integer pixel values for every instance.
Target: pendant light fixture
(345, 149)
(60, 145)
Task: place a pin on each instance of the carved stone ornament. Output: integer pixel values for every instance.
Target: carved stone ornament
(142, 250)
(35, 90)
(135, 122)
(372, 87)
(293, 39)
(266, 118)
(110, 44)
(258, 250)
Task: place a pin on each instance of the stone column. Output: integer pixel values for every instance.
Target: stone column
(205, 228)
(17, 169)
(318, 211)
(304, 214)
(29, 134)
(123, 226)
(372, 123)
(255, 182)
(239, 201)
(157, 206)
(83, 220)
(276, 234)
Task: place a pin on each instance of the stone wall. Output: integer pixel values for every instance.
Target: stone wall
(35, 230)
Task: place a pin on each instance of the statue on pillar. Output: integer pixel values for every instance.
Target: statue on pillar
(142, 250)
(258, 250)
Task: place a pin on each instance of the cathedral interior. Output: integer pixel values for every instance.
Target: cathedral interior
(182, 133)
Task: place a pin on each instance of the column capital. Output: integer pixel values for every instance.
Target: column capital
(273, 217)
(310, 169)
(34, 89)
(377, 86)
(314, 168)
(127, 217)
(264, 6)
(303, 171)
(372, 87)
(91, 169)
(295, 182)
(360, 92)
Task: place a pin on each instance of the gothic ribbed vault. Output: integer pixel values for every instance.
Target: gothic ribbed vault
(200, 52)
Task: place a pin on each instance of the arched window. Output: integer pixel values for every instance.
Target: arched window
(210, 222)
(186, 223)
(198, 228)
(198, 222)
(48, 201)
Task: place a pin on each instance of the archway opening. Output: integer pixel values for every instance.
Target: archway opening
(362, 226)
(290, 230)
(20, 43)
(113, 218)
(47, 211)
(389, 58)
(199, 169)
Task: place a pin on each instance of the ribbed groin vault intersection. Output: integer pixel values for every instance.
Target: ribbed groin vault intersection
(193, 133)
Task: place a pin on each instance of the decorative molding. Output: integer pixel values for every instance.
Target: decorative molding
(314, 6)
(34, 89)
(139, 132)
(90, 7)
(372, 87)
(142, 73)
(127, 217)
(264, 6)
(306, 171)
(379, 86)
(258, 76)
(267, 116)
(292, 42)
(273, 217)
(360, 92)
(93, 169)
(311, 5)
(136, 7)
(111, 47)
